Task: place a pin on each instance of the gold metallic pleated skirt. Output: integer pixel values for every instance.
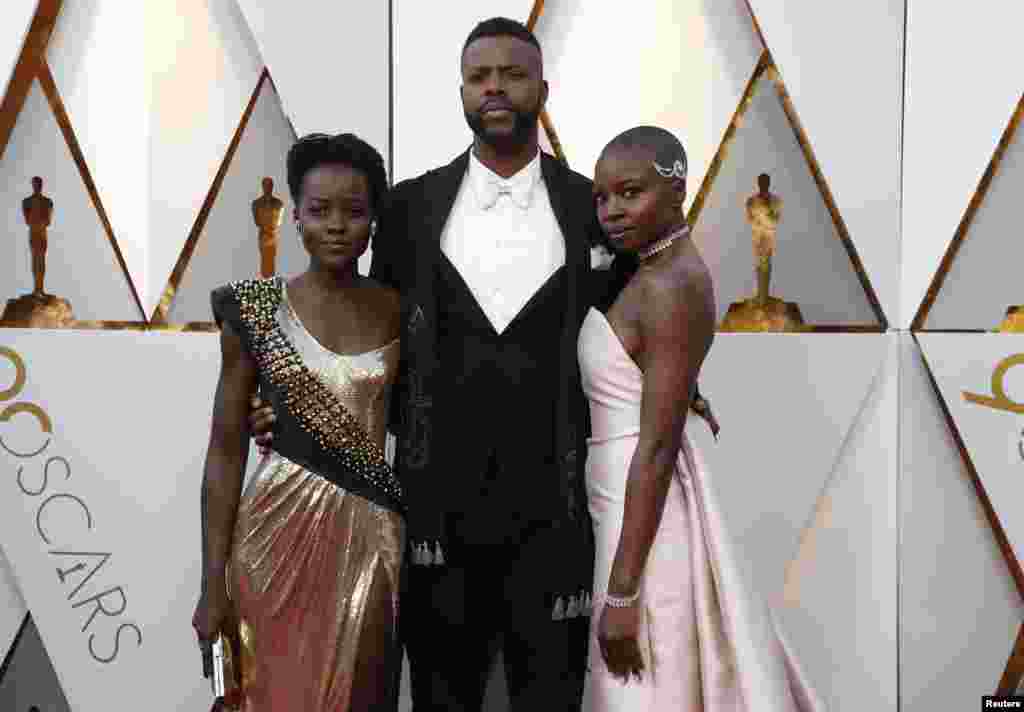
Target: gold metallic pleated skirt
(315, 579)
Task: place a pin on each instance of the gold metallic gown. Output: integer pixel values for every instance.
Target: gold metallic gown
(314, 571)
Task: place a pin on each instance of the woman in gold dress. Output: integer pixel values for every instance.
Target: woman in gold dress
(303, 566)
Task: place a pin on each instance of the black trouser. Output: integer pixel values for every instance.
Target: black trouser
(496, 595)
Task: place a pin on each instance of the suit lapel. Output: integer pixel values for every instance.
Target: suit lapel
(440, 196)
(551, 170)
(577, 251)
(577, 269)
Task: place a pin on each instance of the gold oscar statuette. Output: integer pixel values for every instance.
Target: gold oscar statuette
(763, 312)
(38, 309)
(268, 212)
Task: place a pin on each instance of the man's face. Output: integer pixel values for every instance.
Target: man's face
(503, 90)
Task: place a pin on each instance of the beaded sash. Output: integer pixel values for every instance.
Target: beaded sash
(299, 393)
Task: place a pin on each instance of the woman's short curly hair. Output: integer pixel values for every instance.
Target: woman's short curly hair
(315, 149)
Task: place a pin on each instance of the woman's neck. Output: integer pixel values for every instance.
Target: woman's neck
(678, 243)
(324, 281)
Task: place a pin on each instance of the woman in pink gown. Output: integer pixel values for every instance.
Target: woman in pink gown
(674, 627)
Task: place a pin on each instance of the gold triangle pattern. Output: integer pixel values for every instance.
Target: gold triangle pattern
(27, 67)
(1013, 672)
(32, 66)
(767, 70)
(964, 227)
(163, 307)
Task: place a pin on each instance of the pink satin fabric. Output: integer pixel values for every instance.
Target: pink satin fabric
(709, 641)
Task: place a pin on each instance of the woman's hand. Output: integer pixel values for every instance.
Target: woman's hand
(618, 636)
(213, 615)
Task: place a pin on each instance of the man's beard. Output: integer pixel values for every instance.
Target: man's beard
(523, 125)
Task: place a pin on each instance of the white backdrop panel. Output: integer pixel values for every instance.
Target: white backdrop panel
(301, 40)
(960, 93)
(966, 363)
(429, 127)
(12, 605)
(811, 266)
(840, 591)
(228, 249)
(771, 467)
(81, 265)
(984, 278)
(15, 19)
(685, 70)
(154, 128)
(118, 483)
(831, 76)
(959, 608)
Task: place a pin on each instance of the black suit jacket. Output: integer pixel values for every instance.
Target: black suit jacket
(406, 249)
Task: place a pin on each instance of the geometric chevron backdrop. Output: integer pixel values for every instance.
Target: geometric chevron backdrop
(869, 469)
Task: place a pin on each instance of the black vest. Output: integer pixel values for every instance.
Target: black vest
(495, 395)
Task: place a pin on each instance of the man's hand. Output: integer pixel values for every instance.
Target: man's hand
(261, 423)
(702, 407)
(618, 636)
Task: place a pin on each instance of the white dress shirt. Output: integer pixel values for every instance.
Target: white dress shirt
(503, 238)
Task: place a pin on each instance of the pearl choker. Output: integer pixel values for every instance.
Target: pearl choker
(663, 244)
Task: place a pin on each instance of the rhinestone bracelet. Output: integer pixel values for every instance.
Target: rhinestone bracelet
(621, 601)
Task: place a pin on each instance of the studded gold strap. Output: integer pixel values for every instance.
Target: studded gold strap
(316, 408)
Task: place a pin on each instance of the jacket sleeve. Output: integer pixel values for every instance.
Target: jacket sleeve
(386, 264)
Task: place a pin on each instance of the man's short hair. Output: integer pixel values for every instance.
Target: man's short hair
(501, 27)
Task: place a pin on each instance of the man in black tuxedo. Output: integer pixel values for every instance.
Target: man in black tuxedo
(492, 256)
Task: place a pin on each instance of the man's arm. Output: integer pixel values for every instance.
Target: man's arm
(385, 265)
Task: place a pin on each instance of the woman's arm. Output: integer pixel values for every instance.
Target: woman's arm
(675, 334)
(225, 465)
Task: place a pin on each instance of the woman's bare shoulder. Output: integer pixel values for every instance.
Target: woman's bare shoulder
(679, 296)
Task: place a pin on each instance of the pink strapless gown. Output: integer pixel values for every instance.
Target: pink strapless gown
(709, 642)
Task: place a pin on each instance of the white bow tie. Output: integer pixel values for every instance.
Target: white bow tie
(519, 192)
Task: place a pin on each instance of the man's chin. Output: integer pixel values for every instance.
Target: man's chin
(502, 138)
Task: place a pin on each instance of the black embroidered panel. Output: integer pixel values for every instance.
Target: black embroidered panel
(316, 409)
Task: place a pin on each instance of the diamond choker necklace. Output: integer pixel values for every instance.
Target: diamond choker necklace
(663, 244)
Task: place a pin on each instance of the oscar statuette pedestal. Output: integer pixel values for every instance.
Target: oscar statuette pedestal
(774, 315)
(44, 311)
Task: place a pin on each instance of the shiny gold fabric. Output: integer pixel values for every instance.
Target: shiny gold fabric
(315, 569)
